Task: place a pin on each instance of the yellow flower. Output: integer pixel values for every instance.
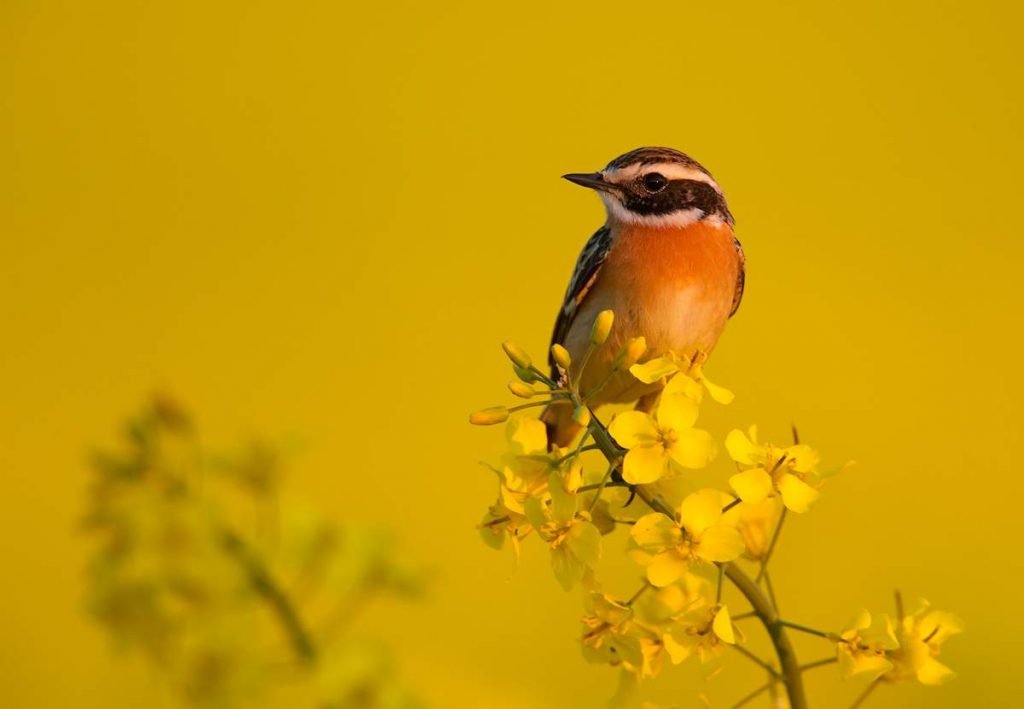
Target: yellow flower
(772, 470)
(668, 438)
(755, 522)
(659, 368)
(608, 635)
(921, 635)
(864, 646)
(657, 607)
(574, 541)
(668, 547)
(700, 632)
(527, 463)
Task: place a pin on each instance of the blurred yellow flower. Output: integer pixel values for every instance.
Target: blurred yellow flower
(920, 636)
(700, 632)
(607, 638)
(574, 540)
(668, 547)
(772, 470)
(755, 522)
(656, 443)
(863, 647)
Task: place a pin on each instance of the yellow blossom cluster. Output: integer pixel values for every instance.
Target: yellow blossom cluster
(199, 565)
(688, 542)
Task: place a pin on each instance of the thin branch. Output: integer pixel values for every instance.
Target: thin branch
(819, 663)
(266, 586)
(771, 547)
(754, 658)
(771, 591)
(864, 695)
(753, 695)
(791, 676)
(805, 629)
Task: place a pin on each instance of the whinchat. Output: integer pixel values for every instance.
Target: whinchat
(666, 262)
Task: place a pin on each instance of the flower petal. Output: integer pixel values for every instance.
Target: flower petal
(722, 625)
(655, 532)
(677, 651)
(700, 510)
(752, 486)
(584, 540)
(655, 369)
(803, 458)
(644, 465)
(693, 448)
(666, 568)
(742, 449)
(526, 435)
(720, 542)
(796, 494)
(633, 428)
(677, 411)
(933, 672)
(563, 504)
(685, 385)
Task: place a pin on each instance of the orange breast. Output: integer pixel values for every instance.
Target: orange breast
(647, 261)
(674, 286)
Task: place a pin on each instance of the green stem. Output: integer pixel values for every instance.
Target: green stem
(864, 695)
(754, 658)
(791, 677)
(266, 586)
(805, 629)
(753, 695)
(771, 546)
(819, 663)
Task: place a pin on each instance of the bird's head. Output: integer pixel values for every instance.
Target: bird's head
(658, 187)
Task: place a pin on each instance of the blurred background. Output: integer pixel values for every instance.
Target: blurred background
(319, 219)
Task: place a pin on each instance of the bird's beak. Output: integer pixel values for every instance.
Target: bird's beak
(593, 180)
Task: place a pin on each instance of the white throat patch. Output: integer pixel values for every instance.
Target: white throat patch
(678, 219)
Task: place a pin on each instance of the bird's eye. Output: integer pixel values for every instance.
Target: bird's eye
(654, 182)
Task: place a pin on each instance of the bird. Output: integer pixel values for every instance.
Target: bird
(666, 261)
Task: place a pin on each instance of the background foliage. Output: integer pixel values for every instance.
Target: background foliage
(320, 218)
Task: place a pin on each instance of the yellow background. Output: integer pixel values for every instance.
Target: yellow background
(322, 218)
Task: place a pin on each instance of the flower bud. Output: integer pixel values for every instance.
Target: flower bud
(581, 416)
(524, 374)
(518, 356)
(489, 416)
(561, 356)
(631, 353)
(602, 327)
(522, 390)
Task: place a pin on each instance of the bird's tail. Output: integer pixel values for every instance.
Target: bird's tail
(562, 429)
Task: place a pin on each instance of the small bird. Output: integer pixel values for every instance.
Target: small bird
(666, 262)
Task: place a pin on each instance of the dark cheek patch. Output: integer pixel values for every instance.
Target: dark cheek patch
(679, 195)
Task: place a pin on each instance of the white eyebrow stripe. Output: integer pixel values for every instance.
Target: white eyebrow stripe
(671, 170)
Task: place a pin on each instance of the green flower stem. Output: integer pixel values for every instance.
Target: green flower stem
(771, 546)
(864, 695)
(819, 663)
(754, 658)
(805, 629)
(753, 695)
(791, 676)
(264, 584)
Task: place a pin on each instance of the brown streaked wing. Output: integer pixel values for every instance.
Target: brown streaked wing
(589, 263)
(741, 277)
